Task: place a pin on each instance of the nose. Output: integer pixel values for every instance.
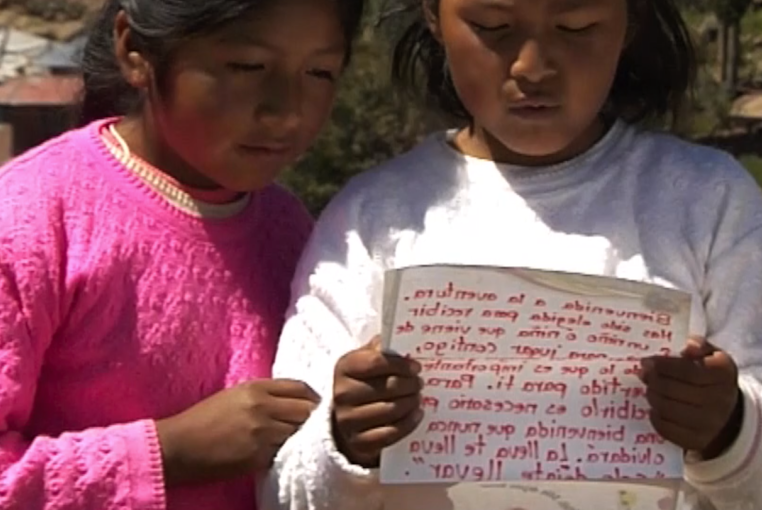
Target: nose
(531, 62)
(280, 108)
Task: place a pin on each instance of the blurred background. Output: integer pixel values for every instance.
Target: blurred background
(41, 40)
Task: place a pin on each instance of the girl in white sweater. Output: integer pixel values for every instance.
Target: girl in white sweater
(550, 172)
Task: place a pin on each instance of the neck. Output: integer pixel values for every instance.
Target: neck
(146, 142)
(478, 142)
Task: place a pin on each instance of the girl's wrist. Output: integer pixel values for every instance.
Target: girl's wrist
(729, 433)
(168, 432)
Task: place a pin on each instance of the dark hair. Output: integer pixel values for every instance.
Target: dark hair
(157, 27)
(655, 76)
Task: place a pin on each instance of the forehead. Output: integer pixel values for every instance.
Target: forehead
(288, 25)
(546, 5)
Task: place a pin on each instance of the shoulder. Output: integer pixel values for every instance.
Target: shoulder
(399, 176)
(39, 205)
(390, 194)
(50, 170)
(285, 210)
(33, 185)
(361, 218)
(682, 166)
(287, 224)
(706, 190)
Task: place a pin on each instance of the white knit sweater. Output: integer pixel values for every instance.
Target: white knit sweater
(638, 205)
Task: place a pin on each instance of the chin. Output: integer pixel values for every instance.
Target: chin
(246, 179)
(534, 141)
(248, 186)
(537, 148)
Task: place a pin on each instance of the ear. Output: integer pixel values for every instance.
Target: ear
(135, 68)
(431, 15)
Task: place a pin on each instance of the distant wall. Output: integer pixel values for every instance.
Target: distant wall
(33, 125)
(737, 144)
(6, 143)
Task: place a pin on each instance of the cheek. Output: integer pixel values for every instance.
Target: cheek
(195, 94)
(477, 73)
(206, 111)
(473, 93)
(199, 123)
(591, 74)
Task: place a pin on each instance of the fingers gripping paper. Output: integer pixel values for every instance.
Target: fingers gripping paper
(530, 375)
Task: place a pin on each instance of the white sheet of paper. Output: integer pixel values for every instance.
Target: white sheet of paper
(646, 495)
(530, 375)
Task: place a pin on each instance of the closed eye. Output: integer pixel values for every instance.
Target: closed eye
(243, 67)
(323, 74)
(577, 29)
(486, 29)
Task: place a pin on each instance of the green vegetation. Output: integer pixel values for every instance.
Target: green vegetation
(752, 23)
(754, 165)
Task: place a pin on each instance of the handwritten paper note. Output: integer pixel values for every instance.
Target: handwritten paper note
(530, 375)
(553, 495)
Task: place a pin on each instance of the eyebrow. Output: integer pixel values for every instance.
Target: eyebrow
(559, 5)
(248, 39)
(336, 49)
(570, 5)
(497, 4)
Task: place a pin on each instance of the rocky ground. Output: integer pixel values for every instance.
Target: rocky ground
(57, 19)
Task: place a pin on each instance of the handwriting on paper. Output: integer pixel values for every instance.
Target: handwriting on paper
(530, 375)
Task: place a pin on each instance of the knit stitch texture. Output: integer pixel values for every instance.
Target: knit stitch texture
(117, 309)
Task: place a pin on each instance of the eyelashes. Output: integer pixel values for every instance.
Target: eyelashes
(250, 68)
(578, 29)
(489, 29)
(503, 28)
(242, 67)
(323, 74)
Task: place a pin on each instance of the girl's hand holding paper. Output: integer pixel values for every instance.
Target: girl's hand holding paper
(695, 400)
(376, 402)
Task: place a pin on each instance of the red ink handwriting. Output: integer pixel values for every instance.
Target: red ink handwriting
(663, 319)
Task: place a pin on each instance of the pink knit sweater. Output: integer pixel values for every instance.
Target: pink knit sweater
(117, 309)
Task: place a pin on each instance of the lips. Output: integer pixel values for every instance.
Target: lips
(534, 110)
(533, 104)
(273, 149)
(268, 146)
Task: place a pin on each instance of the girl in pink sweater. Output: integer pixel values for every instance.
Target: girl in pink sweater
(145, 258)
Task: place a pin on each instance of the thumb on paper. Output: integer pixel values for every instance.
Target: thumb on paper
(374, 344)
(696, 347)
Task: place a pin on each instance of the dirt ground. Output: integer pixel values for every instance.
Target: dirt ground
(61, 20)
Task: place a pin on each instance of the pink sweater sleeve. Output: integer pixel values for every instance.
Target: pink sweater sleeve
(117, 467)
